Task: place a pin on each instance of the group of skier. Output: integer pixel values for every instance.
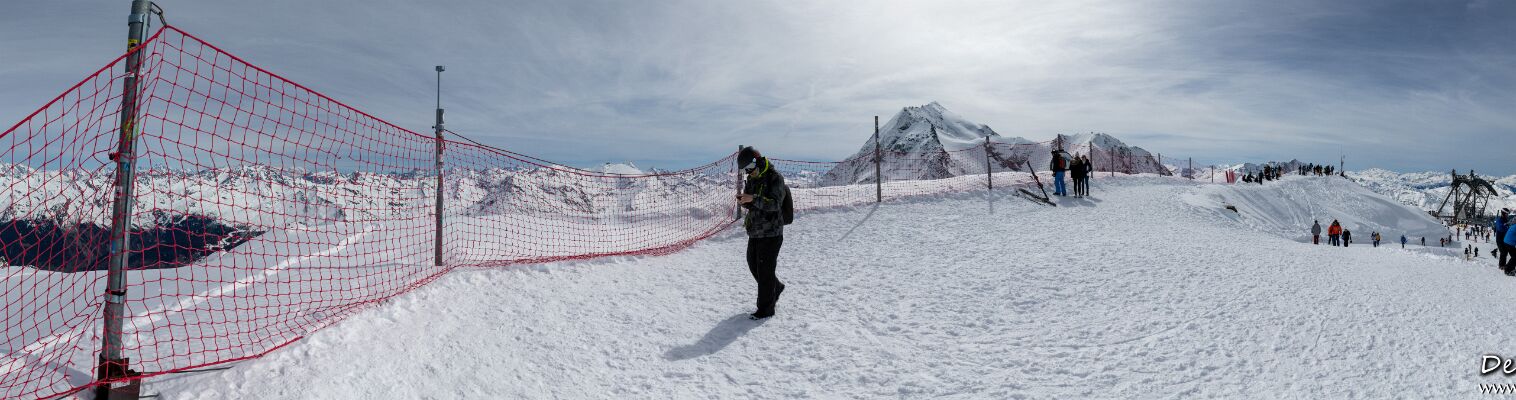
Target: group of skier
(1313, 169)
(1271, 172)
(1337, 235)
(1476, 232)
(1501, 232)
(1078, 167)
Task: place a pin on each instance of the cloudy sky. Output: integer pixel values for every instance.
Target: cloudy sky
(1404, 85)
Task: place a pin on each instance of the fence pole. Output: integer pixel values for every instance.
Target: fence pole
(113, 366)
(737, 209)
(437, 258)
(878, 158)
(1192, 168)
(988, 173)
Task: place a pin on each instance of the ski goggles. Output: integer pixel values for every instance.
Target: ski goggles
(751, 166)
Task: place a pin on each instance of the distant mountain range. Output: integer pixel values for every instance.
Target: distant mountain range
(931, 142)
(1427, 190)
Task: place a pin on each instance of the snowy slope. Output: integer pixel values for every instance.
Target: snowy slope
(293, 272)
(1287, 207)
(1129, 294)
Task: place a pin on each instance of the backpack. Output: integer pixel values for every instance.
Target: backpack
(1059, 163)
(787, 209)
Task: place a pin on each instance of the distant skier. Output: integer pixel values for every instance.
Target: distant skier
(1316, 232)
(1334, 233)
(1402, 241)
(767, 200)
(1059, 164)
(1375, 236)
(1347, 237)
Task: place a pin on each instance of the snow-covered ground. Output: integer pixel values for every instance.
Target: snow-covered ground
(1145, 290)
(1287, 207)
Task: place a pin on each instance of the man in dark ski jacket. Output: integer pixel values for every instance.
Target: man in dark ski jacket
(1316, 232)
(765, 197)
(1089, 171)
(1347, 237)
(1503, 228)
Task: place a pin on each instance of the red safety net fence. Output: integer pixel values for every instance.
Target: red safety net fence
(263, 211)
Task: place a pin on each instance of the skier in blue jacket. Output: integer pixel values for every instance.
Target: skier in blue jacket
(1510, 244)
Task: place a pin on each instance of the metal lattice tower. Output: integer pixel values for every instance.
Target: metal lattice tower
(1470, 195)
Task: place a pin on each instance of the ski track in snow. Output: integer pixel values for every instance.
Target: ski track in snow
(162, 312)
(1131, 293)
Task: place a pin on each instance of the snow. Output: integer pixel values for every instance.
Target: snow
(622, 169)
(1144, 290)
(1287, 207)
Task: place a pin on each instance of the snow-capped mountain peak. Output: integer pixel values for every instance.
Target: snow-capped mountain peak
(928, 128)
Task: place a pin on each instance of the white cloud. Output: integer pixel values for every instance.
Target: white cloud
(679, 82)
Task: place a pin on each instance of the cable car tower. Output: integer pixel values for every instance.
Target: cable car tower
(1470, 195)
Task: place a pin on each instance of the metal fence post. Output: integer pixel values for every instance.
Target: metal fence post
(878, 158)
(437, 258)
(989, 173)
(113, 366)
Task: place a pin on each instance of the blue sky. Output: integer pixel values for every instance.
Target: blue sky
(1404, 85)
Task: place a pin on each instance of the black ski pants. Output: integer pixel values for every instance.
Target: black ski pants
(762, 258)
(1507, 259)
